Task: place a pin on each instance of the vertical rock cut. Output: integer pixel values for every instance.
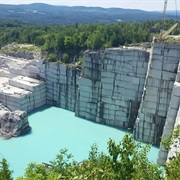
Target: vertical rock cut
(158, 89)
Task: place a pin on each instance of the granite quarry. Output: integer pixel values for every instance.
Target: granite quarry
(122, 87)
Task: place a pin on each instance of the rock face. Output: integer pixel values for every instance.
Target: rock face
(111, 86)
(13, 124)
(11, 67)
(61, 87)
(172, 121)
(122, 82)
(89, 86)
(157, 95)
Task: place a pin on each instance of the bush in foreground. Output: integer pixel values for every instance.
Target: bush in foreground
(126, 160)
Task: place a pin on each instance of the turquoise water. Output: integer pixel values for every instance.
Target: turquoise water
(53, 129)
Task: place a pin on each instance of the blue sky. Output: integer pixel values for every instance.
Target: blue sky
(149, 5)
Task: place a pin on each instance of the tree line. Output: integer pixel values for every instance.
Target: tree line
(68, 42)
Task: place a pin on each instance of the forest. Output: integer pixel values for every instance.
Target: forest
(68, 42)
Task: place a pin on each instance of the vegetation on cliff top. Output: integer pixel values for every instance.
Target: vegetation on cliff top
(67, 43)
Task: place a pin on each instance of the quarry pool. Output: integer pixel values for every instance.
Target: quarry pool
(53, 129)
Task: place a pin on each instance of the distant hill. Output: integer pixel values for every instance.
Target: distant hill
(44, 14)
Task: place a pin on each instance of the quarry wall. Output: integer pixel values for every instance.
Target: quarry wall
(157, 95)
(111, 86)
(124, 87)
(122, 82)
(61, 85)
(172, 121)
(88, 93)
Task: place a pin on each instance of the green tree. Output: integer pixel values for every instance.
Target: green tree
(5, 173)
(172, 166)
(60, 42)
(73, 39)
(68, 42)
(38, 172)
(95, 40)
(65, 58)
(126, 160)
(50, 43)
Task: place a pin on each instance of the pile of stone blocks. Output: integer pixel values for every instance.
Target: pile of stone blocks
(35, 69)
(89, 86)
(21, 90)
(122, 83)
(157, 96)
(11, 67)
(23, 93)
(62, 85)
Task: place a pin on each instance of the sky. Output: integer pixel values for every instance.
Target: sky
(148, 5)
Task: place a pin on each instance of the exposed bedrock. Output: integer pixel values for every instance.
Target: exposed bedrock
(21, 90)
(22, 93)
(172, 121)
(11, 67)
(88, 92)
(61, 85)
(122, 82)
(158, 93)
(111, 86)
(13, 124)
